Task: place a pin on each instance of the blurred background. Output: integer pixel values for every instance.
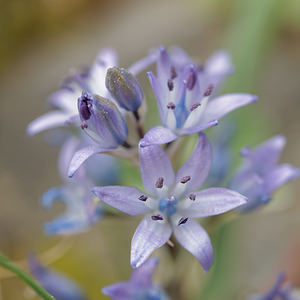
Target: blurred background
(41, 40)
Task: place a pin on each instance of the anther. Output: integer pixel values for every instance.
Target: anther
(182, 221)
(171, 105)
(170, 85)
(173, 72)
(159, 183)
(208, 90)
(143, 198)
(157, 218)
(83, 125)
(185, 179)
(194, 106)
(192, 197)
(191, 80)
(84, 110)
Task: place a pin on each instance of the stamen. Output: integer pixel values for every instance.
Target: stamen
(182, 221)
(84, 109)
(143, 198)
(171, 105)
(170, 85)
(191, 80)
(83, 125)
(173, 72)
(159, 183)
(194, 106)
(185, 179)
(208, 90)
(157, 218)
(192, 197)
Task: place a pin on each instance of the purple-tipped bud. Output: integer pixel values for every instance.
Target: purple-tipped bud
(102, 120)
(125, 88)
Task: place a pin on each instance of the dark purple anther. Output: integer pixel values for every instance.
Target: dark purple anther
(191, 80)
(208, 90)
(159, 183)
(182, 221)
(84, 110)
(185, 179)
(83, 125)
(143, 198)
(192, 197)
(194, 106)
(157, 218)
(171, 105)
(173, 73)
(170, 85)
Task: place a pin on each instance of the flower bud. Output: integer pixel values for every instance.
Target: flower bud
(102, 120)
(125, 88)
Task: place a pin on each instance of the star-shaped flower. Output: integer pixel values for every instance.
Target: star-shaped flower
(171, 201)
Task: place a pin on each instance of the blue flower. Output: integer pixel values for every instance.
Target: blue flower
(279, 291)
(260, 174)
(58, 285)
(140, 285)
(170, 202)
(183, 91)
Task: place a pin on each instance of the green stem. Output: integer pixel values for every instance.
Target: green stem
(9, 265)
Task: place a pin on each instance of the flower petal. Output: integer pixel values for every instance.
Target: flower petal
(82, 155)
(194, 238)
(155, 163)
(148, 236)
(197, 166)
(123, 198)
(279, 176)
(210, 202)
(119, 291)
(142, 64)
(222, 105)
(198, 128)
(158, 135)
(142, 275)
(47, 121)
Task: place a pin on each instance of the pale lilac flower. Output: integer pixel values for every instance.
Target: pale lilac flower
(183, 91)
(279, 291)
(260, 175)
(171, 201)
(140, 285)
(58, 285)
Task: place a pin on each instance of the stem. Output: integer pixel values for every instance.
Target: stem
(139, 126)
(7, 264)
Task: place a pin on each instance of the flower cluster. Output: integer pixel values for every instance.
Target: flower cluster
(102, 109)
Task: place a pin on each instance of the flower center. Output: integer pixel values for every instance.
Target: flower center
(168, 205)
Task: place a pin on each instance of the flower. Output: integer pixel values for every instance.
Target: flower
(140, 285)
(279, 291)
(183, 90)
(124, 88)
(260, 174)
(170, 202)
(58, 285)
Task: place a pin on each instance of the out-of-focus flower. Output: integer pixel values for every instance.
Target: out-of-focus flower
(183, 91)
(279, 291)
(260, 174)
(170, 202)
(124, 88)
(140, 285)
(58, 285)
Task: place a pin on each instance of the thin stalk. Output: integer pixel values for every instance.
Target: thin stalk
(139, 127)
(9, 265)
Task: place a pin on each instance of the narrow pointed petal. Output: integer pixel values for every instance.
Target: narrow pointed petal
(194, 238)
(149, 236)
(81, 156)
(123, 198)
(119, 291)
(158, 135)
(197, 166)
(142, 64)
(198, 128)
(47, 121)
(143, 274)
(222, 105)
(155, 163)
(211, 202)
(266, 155)
(279, 176)
(163, 65)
